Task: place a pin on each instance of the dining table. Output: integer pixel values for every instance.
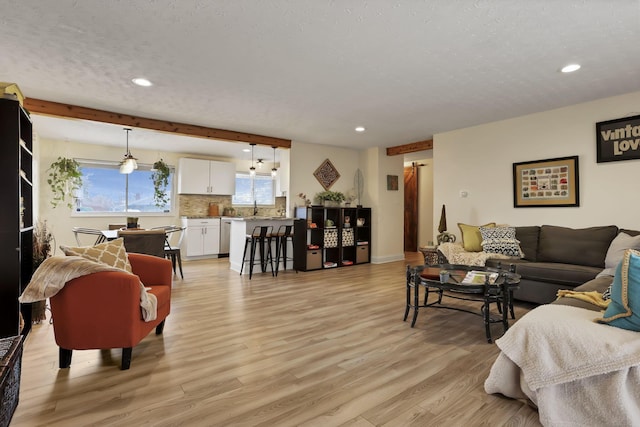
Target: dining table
(108, 235)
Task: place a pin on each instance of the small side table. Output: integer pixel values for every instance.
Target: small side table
(431, 255)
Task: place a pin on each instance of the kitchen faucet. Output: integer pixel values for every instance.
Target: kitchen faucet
(255, 208)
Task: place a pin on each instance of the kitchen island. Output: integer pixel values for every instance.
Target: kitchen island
(241, 227)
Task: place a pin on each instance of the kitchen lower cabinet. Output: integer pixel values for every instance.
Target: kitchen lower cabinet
(202, 237)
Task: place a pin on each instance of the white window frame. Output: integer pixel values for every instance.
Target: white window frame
(141, 166)
(261, 175)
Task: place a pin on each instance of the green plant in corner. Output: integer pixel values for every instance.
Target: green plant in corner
(160, 177)
(65, 179)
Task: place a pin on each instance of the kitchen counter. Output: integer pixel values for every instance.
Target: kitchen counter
(261, 218)
(240, 227)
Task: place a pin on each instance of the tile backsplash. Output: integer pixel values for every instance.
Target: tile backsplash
(198, 205)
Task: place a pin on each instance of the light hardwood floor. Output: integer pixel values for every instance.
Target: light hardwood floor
(324, 348)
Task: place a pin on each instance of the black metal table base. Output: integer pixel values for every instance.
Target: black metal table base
(500, 295)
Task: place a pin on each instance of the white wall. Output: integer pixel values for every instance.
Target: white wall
(387, 206)
(305, 159)
(479, 160)
(387, 215)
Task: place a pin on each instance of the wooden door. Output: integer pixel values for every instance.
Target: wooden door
(411, 209)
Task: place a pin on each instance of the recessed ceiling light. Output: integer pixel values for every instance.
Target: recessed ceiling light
(570, 68)
(142, 82)
(246, 150)
(360, 129)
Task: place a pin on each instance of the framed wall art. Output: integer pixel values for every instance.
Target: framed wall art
(392, 182)
(326, 174)
(618, 139)
(546, 183)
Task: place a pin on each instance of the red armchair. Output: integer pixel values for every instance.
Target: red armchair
(102, 310)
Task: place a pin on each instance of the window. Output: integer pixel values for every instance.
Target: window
(263, 186)
(106, 190)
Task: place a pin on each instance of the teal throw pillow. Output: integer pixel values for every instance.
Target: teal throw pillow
(624, 309)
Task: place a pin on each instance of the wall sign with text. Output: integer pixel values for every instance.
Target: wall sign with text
(618, 139)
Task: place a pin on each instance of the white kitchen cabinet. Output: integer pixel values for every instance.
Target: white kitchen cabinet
(198, 176)
(202, 236)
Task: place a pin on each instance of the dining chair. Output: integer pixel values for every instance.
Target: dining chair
(150, 242)
(172, 252)
(90, 231)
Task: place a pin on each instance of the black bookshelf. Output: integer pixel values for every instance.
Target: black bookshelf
(330, 237)
(16, 215)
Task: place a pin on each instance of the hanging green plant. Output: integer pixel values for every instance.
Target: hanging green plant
(160, 178)
(65, 179)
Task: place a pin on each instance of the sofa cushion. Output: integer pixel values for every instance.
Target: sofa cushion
(624, 309)
(616, 251)
(570, 275)
(500, 240)
(528, 237)
(585, 246)
(471, 237)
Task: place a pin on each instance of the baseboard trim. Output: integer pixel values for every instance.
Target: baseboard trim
(387, 258)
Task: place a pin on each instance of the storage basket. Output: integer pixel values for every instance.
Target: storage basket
(10, 366)
(347, 237)
(330, 238)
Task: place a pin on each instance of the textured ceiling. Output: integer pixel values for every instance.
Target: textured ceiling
(311, 70)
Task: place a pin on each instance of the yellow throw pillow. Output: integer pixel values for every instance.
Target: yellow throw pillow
(471, 237)
(111, 253)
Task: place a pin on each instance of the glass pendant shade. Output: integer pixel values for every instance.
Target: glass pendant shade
(274, 171)
(129, 163)
(252, 169)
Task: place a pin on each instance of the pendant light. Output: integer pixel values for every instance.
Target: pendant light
(252, 169)
(274, 171)
(128, 164)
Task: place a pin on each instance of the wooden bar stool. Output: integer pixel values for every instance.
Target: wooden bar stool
(283, 236)
(259, 239)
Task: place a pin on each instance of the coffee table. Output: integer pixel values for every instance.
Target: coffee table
(499, 292)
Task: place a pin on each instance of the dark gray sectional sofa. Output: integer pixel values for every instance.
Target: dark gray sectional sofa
(560, 258)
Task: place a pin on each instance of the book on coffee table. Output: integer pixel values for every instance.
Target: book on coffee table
(475, 277)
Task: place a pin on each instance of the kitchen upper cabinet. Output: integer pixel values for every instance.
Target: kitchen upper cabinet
(198, 176)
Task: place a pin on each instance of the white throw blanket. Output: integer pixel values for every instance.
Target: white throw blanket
(455, 254)
(576, 371)
(51, 276)
(554, 344)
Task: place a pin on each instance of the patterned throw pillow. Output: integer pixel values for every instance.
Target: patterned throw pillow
(110, 253)
(607, 293)
(500, 240)
(624, 309)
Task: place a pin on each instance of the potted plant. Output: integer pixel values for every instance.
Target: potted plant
(160, 177)
(43, 245)
(305, 201)
(65, 179)
(329, 198)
